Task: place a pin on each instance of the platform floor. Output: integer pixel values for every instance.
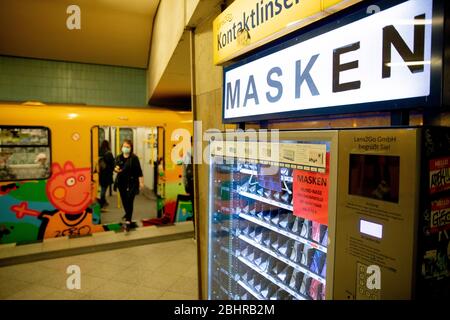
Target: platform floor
(164, 271)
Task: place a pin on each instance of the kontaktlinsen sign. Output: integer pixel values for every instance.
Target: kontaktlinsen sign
(384, 56)
(248, 24)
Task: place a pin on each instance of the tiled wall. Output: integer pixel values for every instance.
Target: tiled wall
(75, 83)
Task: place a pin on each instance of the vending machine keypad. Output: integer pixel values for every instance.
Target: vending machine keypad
(362, 290)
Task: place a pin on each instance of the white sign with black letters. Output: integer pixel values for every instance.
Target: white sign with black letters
(385, 56)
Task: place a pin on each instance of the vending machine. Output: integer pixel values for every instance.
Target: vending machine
(272, 215)
(330, 214)
(393, 210)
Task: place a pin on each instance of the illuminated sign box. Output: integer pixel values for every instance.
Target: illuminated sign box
(247, 24)
(359, 62)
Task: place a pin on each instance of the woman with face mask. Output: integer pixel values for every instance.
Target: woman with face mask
(129, 179)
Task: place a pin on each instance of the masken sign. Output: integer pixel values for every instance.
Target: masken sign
(383, 57)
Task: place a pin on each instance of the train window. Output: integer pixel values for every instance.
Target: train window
(125, 133)
(24, 153)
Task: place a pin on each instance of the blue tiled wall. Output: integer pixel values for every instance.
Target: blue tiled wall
(66, 82)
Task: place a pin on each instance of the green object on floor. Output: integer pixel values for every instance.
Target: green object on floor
(114, 226)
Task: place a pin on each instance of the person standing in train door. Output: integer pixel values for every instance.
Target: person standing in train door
(106, 165)
(129, 180)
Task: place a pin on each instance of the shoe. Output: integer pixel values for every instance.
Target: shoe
(127, 226)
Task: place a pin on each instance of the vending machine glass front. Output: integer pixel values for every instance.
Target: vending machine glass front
(269, 221)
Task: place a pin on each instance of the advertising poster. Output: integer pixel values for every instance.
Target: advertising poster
(439, 175)
(311, 195)
(440, 215)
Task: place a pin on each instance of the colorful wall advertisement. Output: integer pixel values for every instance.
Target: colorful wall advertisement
(439, 174)
(440, 215)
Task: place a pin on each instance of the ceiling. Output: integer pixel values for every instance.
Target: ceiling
(113, 32)
(174, 88)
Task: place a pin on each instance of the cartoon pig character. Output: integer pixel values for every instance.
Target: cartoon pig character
(69, 189)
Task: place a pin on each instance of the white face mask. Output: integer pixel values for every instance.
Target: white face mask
(126, 150)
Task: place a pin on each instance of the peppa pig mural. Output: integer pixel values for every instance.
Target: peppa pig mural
(60, 206)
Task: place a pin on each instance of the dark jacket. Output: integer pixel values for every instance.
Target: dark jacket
(106, 165)
(128, 178)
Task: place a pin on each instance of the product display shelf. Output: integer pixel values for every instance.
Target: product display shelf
(283, 259)
(254, 172)
(283, 232)
(250, 290)
(272, 279)
(265, 200)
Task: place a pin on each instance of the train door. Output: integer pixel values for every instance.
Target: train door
(159, 170)
(94, 161)
(145, 147)
(161, 143)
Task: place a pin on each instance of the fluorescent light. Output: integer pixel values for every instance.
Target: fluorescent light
(409, 63)
(33, 103)
(413, 22)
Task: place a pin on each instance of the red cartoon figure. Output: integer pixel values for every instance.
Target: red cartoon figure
(69, 191)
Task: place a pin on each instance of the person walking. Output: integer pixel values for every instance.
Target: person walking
(106, 165)
(129, 179)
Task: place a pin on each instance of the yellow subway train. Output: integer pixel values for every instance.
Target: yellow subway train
(49, 164)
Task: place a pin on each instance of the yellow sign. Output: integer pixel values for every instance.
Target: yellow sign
(247, 24)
